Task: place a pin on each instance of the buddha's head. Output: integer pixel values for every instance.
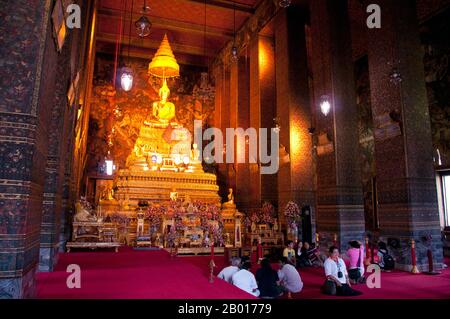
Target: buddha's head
(164, 92)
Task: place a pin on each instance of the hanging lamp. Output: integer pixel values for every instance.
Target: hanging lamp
(234, 49)
(205, 91)
(126, 80)
(143, 24)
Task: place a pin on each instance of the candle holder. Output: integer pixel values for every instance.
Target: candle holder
(414, 269)
(212, 264)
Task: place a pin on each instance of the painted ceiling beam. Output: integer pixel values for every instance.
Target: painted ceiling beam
(108, 13)
(154, 44)
(228, 5)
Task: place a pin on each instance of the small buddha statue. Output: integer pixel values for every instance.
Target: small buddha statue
(230, 196)
(173, 195)
(82, 214)
(163, 110)
(107, 194)
(190, 209)
(230, 203)
(195, 153)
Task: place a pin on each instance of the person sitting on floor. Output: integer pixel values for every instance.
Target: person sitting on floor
(310, 256)
(228, 272)
(302, 259)
(336, 272)
(290, 279)
(356, 259)
(268, 281)
(245, 280)
(385, 261)
(289, 252)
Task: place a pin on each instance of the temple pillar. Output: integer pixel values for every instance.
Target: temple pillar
(243, 121)
(295, 178)
(54, 170)
(262, 106)
(267, 91)
(340, 212)
(233, 123)
(255, 119)
(406, 185)
(28, 73)
(225, 174)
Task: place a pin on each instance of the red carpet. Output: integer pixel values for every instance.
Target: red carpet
(394, 285)
(133, 274)
(153, 274)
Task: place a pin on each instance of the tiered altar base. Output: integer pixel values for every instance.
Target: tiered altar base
(156, 186)
(198, 251)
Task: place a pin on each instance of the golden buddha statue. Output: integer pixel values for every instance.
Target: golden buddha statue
(163, 110)
(230, 203)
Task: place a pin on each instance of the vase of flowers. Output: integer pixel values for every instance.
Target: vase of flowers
(267, 214)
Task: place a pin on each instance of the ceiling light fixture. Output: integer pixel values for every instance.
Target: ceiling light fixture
(143, 24)
(325, 105)
(126, 80)
(205, 91)
(284, 3)
(234, 49)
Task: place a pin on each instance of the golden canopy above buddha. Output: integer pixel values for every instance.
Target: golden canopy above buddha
(164, 65)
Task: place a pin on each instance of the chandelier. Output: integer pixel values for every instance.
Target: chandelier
(143, 24)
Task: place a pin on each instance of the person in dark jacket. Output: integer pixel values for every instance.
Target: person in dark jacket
(268, 281)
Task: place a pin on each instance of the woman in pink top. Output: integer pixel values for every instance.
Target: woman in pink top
(356, 259)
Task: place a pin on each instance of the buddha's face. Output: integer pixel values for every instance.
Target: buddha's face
(164, 93)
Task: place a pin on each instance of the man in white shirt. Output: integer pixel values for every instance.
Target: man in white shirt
(289, 277)
(245, 280)
(336, 271)
(228, 272)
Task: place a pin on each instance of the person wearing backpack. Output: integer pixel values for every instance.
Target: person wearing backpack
(385, 261)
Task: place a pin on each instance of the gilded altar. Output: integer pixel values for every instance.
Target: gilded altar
(163, 170)
(91, 231)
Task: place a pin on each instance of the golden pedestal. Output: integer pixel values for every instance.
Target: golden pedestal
(134, 186)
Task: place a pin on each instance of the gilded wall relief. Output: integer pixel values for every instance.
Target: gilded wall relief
(437, 77)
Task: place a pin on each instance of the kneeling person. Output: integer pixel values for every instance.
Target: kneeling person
(289, 277)
(245, 280)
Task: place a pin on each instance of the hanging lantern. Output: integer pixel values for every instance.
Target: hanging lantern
(126, 80)
(325, 105)
(234, 53)
(143, 24)
(284, 3)
(234, 49)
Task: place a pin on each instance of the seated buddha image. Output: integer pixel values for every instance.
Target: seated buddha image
(163, 111)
